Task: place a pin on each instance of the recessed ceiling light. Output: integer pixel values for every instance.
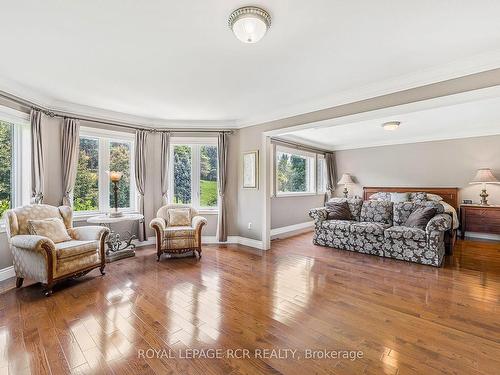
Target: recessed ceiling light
(249, 24)
(391, 125)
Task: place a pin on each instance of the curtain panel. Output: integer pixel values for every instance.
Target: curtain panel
(165, 161)
(37, 165)
(70, 147)
(221, 181)
(140, 176)
(331, 175)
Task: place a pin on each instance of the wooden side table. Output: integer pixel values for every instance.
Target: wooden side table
(479, 218)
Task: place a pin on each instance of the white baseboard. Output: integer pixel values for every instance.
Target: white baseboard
(482, 236)
(7, 273)
(291, 230)
(234, 240)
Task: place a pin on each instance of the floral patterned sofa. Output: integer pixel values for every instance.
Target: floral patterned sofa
(378, 228)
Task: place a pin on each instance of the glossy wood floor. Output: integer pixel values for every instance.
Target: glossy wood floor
(405, 318)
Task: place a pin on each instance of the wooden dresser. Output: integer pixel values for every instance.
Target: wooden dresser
(478, 218)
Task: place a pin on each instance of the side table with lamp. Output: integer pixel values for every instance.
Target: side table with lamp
(482, 217)
(117, 247)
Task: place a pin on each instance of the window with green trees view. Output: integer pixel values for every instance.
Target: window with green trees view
(100, 153)
(194, 174)
(6, 130)
(295, 171)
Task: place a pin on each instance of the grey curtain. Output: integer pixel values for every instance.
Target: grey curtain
(165, 155)
(221, 182)
(140, 176)
(37, 168)
(331, 175)
(70, 146)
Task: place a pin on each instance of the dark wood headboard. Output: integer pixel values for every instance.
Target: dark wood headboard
(449, 195)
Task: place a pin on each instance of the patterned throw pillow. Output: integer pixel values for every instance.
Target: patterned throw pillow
(418, 197)
(338, 211)
(380, 196)
(52, 228)
(179, 217)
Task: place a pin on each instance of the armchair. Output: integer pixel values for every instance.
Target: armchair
(177, 239)
(39, 258)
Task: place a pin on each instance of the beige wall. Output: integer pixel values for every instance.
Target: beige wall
(451, 163)
(287, 211)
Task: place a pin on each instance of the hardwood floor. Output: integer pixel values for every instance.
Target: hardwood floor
(404, 318)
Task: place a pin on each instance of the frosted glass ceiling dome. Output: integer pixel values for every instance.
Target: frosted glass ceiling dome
(249, 24)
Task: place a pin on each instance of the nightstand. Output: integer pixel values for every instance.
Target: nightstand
(479, 218)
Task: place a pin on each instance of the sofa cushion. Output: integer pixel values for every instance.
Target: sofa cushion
(376, 211)
(402, 232)
(338, 211)
(73, 248)
(403, 210)
(354, 205)
(418, 197)
(179, 232)
(52, 228)
(420, 217)
(374, 228)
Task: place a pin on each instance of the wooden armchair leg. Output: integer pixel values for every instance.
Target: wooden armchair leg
(19, 282)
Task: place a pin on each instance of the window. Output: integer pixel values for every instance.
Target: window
(100, 152)
(295, 171)
(15, 167)
(194, 174)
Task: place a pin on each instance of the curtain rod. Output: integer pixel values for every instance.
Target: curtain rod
(299, 146)
(31, 105)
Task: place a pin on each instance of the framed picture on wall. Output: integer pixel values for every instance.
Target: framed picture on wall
(251, 170)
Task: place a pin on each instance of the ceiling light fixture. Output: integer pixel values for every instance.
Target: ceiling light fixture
(391, 125)
(249, 24)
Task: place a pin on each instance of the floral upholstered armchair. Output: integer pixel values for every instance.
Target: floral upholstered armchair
(178, 229)
(46, 248)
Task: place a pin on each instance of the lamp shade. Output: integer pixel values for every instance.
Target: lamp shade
(346, 179)
(484, 175)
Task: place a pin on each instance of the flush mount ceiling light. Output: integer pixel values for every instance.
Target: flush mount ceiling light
(249, 24)
(391, 125)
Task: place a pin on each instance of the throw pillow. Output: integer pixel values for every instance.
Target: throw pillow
(399, 197)
(338, 211)
(52, 228)
(420, 217)
(179, 217)
(434, 197)
(418, 197)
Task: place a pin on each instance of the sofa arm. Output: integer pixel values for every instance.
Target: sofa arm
(158, 224)
(318, 214)
(439, 223)
(32, 242)
(88, 233)
(198, 221)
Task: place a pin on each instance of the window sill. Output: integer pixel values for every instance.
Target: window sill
(288, 195)
(207, 211)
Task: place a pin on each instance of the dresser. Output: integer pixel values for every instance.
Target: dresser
(478, 218)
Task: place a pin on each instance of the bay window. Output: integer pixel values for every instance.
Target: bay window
(101, 152)
(193, 172)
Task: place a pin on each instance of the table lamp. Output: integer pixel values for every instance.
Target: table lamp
(484, 176)
(115, 178)
(346, 180)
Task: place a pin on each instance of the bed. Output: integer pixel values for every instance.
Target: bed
(450, 204)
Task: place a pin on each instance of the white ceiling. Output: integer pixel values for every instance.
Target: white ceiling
(469, 119)
(177, 60)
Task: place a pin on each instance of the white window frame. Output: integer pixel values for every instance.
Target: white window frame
(195, 143)
(105, 137)
(311, 170)
(21, 157)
